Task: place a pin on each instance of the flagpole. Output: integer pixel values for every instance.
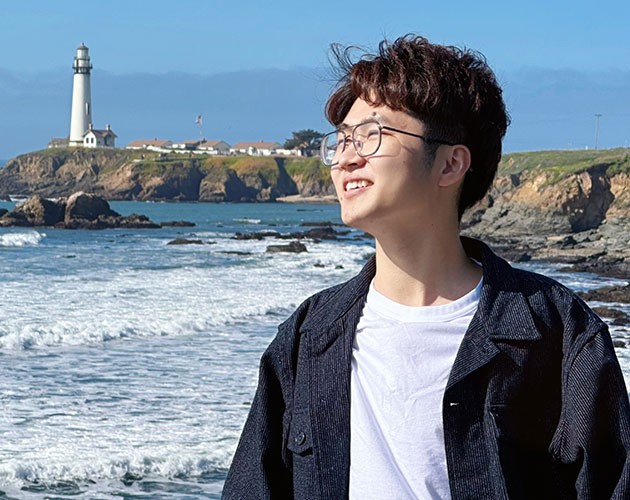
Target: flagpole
(199, 121)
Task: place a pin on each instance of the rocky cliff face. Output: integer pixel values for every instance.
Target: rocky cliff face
(134, 175)
(534, 193)
(575, 213)
(536, 202)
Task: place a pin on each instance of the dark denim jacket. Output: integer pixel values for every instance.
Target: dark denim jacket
(535, 406)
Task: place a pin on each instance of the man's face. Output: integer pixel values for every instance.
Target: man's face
(393, 188)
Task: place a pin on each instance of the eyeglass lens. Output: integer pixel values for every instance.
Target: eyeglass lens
(366, 138)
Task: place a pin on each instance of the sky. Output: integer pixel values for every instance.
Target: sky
(259, 70)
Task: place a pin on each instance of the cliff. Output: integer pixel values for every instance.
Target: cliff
(143, 175)
(547, 192)
(569, 207)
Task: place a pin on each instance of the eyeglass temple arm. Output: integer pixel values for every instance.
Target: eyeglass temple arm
(428, 140)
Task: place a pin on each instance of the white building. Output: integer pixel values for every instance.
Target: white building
(214, 147)
(159, 145)
(99, 138)
(260, 148)
(184, 146)
(289, 152)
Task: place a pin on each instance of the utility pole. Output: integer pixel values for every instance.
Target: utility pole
(597, 117)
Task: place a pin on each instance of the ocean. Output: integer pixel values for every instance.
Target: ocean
(127, 365)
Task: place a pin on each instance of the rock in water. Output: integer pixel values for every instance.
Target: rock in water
(79, 211)
(87, 206)
(36, 211)
(184, 241)
(293, 247)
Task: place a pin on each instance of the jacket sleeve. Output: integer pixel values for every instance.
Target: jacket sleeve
(260, 468)
(595, 435)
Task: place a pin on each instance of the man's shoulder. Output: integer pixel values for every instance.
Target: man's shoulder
(557, 306)
(518, 293)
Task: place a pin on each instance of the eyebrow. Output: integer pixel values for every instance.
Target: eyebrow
(375, 116)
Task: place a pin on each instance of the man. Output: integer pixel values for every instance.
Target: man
(439, 371)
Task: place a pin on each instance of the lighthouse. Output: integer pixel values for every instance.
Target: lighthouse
(81, 119)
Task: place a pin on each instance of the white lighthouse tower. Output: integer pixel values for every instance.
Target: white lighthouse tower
(81, 119)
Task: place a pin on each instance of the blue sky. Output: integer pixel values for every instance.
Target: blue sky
(560, 62)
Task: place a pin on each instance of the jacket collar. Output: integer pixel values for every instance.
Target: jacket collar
(503, 297)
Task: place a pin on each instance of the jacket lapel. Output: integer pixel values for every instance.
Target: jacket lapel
(503, 314)
(329, 338)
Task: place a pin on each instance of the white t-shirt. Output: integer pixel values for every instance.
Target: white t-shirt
(401, 360)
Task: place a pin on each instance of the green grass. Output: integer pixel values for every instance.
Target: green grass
(309, 168)
(563, 163)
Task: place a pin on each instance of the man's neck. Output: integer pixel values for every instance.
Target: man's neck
(424, 268)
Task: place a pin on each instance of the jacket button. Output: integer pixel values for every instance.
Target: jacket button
(300, 438)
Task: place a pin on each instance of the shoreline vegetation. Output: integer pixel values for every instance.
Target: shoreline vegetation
(569, 207)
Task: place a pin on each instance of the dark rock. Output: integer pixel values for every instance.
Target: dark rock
(79, 211)
(315, 234)
(566, 259)
(608, 294)
(256, 236)
(177, 223)
(567, 242)
(87, 206)
(12, 219)
(3, 211)
(515, 255)
(36, 211)
(135, 221)
(293, 247)
(619, 318)
(619, 343)
(613, 268)
(130, 477)
(184, 241)
(236, 252)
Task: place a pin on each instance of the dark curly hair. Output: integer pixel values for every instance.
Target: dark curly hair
(452, 91)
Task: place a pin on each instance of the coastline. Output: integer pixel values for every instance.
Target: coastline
(298, 198)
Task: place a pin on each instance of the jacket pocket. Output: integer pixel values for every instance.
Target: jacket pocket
(300, 443)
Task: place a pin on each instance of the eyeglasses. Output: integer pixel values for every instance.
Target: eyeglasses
(366, 138)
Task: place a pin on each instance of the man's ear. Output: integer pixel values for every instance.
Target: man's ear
(455, 164)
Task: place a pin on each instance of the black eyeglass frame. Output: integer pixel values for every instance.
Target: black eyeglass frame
(322, 155)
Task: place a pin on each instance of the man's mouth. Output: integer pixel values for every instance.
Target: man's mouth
(362, 183)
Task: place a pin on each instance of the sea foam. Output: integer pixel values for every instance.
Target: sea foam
(21, 239)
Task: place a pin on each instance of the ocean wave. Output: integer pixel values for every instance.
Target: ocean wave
(21, 239)
(99, 305)
(92, 331)
(246, 220)
(149, 475)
